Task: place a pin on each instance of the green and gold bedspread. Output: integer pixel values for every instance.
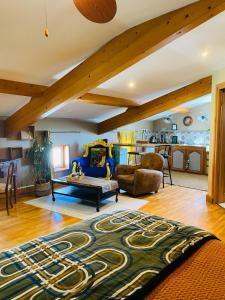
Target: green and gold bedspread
(109, 257)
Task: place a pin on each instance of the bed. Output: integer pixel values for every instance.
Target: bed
(124, 255)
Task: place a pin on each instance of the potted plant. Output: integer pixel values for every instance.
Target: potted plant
(39, 156)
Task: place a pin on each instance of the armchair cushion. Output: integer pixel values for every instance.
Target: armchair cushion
(128, 179)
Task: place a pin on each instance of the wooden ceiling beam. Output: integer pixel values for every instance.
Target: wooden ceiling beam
(31, 90)
(161, 104)
(108, 100)
(21, 88)
(118, 54)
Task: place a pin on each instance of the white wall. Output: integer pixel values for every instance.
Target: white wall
(178, 119)
(77, 133)
(68, 131)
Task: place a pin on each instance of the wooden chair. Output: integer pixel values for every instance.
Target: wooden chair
(8, 187)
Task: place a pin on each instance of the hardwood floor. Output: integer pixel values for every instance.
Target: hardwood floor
(26, 222)
(182, 204)
(188, 206)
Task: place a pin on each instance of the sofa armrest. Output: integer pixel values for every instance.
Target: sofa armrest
(146, 181)
(111, 162)
(126, 169)
(110, 167)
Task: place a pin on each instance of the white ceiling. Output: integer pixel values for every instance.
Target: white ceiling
(98, 113)
(174, 65)
(10, 103)
(88, 112)
(26, 55)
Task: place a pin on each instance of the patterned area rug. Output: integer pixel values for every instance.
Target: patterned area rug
(84, 209)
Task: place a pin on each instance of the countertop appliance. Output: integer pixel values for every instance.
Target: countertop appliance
(163, 138)
(174, 139)
(153, 139)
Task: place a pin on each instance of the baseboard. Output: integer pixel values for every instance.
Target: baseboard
(23, 190)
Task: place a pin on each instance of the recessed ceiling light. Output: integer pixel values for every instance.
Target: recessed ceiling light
(131, 84)
(205, 53)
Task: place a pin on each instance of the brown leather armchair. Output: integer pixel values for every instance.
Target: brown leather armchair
(144, 178)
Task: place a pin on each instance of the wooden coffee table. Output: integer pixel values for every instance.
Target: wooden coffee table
(86, 188)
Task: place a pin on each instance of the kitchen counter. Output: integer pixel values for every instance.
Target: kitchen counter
(184, 157)
(149, 145)
(153, 145)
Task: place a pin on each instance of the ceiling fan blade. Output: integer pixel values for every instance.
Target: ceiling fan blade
(98, 11)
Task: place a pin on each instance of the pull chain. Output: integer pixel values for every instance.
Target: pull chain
(46, 20)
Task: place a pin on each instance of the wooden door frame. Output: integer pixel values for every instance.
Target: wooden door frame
(217, 170)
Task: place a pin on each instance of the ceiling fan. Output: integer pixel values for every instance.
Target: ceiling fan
(98, 11)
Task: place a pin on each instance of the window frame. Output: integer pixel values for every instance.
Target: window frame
(65, 166)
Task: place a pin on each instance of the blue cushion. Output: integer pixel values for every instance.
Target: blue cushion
(95, 172)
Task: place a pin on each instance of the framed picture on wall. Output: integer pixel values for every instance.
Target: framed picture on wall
(174, 126)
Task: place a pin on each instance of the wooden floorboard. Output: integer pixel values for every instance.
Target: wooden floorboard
(188, 206)
(26, 222)
(182, 204)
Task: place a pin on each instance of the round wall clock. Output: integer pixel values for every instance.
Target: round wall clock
(187, 121)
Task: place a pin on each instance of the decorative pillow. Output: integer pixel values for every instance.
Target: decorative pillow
(98, 157)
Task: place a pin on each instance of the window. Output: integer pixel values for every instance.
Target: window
(60, 157)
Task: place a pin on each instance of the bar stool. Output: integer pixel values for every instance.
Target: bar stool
(131, 153)
(165, 151)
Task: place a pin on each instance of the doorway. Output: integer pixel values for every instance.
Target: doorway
(217, 173)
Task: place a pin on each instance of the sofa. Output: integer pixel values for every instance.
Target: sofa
(141, 179)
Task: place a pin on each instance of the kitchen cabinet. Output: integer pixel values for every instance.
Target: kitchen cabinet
(190, 159)
(196, 160)
(178, 158)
